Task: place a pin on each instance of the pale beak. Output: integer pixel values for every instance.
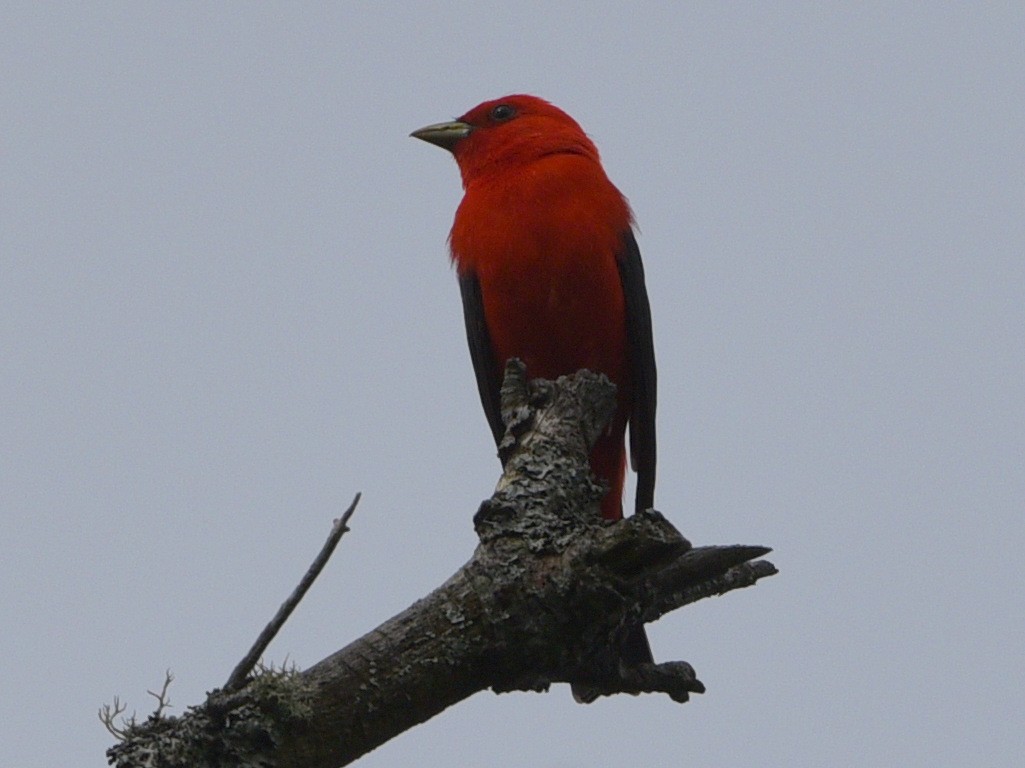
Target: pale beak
(444, 135)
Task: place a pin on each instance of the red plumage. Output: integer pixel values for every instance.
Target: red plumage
(550, 270)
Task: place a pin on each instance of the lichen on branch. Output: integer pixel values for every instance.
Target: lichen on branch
(546, 598)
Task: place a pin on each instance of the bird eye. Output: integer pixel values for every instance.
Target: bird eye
(502, 112)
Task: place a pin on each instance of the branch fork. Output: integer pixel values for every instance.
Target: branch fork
(546, 597)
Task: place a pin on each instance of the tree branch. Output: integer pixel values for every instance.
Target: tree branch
(547, 597)
(241, 672)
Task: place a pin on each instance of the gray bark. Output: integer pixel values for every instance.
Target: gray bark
(545, 598)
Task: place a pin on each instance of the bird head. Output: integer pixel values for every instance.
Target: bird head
(501, 133)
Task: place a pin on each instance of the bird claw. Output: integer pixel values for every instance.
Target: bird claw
(676, 679)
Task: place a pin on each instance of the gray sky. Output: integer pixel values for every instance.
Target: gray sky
(226, 306)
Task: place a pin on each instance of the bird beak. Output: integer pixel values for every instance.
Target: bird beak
(444, 135)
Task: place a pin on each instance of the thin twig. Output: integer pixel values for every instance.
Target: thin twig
(163, 700)
(241, 672)
(109, 713)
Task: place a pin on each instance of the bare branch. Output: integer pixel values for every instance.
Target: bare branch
(109, 713)
(163, 700)
(548, 597)
(338, 529)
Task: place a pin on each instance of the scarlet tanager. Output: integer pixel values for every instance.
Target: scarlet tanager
(550, 273)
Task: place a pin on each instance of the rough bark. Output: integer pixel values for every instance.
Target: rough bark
(545, 598)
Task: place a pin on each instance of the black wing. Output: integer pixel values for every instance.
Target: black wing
(484, 365)
(641, 350)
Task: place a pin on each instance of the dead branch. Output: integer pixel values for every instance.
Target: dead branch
(338, 529)
(545, 599)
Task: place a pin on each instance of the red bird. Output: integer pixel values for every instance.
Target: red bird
(550, 273)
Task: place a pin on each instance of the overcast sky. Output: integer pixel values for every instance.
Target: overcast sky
(226, 306)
